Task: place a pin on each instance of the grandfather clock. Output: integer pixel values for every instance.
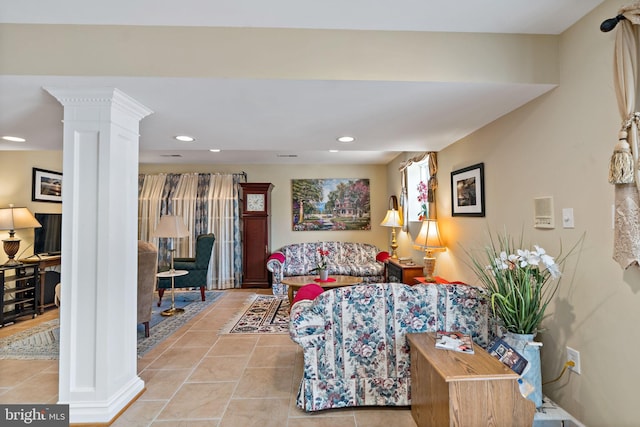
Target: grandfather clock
(256, 233)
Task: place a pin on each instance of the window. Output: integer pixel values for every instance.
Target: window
(416, 173)
(421, 168)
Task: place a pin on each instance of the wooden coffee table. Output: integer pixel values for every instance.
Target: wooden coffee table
(296, 282)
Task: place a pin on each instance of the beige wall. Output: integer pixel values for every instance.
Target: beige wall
(280, 176)
(15, 175)
(276, 53)
(559, 145)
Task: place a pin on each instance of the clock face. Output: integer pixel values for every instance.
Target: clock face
(255, 202)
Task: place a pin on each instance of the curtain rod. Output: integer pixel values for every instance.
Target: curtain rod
(243, 173)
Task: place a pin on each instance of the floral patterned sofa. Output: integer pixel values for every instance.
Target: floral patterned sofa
(345, 258)
(354, 338)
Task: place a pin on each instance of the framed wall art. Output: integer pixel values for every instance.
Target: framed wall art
(330, 204)
(467, 191)
(46, 186)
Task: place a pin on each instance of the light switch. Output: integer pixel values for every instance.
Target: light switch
(567, 218)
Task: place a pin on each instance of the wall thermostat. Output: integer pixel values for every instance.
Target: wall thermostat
(543, 212)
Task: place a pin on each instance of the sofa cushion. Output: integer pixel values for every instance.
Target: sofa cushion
(307, 292)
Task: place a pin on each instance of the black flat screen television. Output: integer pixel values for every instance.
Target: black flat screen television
(47, 239)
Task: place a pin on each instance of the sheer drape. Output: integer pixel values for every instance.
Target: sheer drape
(223, 217)
(209, 204)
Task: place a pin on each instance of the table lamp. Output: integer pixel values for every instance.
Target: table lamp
(429, 240)
(13, 219)
(393, 219)
(171, 227)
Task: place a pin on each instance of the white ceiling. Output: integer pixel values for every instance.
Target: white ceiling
(268, 121)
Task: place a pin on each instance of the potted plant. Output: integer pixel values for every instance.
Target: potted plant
(322, 265)
(521, 283)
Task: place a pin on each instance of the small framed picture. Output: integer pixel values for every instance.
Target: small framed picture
(467, 191)
(46, 186)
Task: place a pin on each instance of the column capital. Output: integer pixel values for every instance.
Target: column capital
(103, 96)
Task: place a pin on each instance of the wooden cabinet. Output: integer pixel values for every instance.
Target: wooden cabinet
(449, 388)
(402, 273)
(256, 234)
(20, 290)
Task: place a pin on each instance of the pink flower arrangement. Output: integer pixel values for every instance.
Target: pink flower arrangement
(423, 198)
(322, 259)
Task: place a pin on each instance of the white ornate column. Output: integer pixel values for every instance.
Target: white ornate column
(98, 369)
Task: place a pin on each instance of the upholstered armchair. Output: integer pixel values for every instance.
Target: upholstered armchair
(197, 268)
(147, 268)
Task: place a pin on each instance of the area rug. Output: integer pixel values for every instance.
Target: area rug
(261, 314)
(42, 341)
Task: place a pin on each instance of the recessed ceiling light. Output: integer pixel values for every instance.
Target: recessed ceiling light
(333, 151)
(13, 139)
(215, 150)
(185, 138)
(346, 139)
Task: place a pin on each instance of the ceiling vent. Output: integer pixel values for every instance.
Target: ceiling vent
(287, 155)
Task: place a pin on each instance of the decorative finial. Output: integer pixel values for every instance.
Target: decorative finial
(609, 24)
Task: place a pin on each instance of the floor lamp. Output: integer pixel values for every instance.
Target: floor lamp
(171, 227)
(12, 219)
(429, 241)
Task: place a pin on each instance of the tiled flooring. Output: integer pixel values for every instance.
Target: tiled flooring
(197, 378)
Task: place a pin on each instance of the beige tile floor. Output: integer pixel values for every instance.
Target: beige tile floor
(197, 378)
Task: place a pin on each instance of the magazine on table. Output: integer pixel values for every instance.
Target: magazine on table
(454, 340)
(508, 355)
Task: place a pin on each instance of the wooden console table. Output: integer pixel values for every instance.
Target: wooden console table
(450, 388)
(43, 262)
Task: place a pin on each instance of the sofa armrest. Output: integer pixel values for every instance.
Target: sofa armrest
(184, 264)
(275, 264)
(306, 325)
(184, 260)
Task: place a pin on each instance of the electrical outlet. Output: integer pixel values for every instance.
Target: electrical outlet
(574, 356)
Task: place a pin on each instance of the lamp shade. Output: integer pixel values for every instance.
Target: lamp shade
(13, 219)
(392, 219)
(171, 226)
(17, 218)
(429, 237)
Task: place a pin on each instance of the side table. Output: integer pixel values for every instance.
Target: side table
(173, 274)
(403, 273)
(450, 388)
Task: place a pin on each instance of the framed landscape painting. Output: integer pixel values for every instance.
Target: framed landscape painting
(330, 204)
(467, 191)
(46, 186)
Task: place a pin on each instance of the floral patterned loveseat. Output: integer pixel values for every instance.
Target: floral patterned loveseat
(354, 338)
(344, 258)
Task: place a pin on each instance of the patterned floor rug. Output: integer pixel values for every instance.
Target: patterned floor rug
(262, 314)
(42, 341)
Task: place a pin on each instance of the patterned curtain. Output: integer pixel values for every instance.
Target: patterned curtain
(209, 203)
